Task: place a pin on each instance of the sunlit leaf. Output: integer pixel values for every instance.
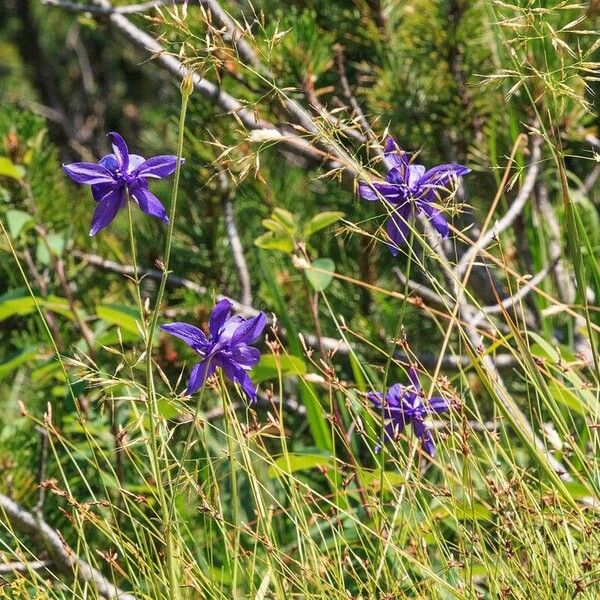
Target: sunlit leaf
(321, 278)
(321, 221)
(9, 169)
(270, 366)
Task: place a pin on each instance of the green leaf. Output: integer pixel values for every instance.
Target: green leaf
(373, 479)
(322, 278)
(111, 337)
(286, 218)
(299, 462)
(7, 367)
(11, 306)
(565, 396)
(270, 365)
(462, 510)
(52, 246)
(275, 241)
(9, 169)
(123, 316)
(17, 220)
(167, 409)
(320, 221)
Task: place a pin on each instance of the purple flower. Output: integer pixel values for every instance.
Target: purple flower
(120, 172)
(406, 404)
(228, 347)
(409, 188)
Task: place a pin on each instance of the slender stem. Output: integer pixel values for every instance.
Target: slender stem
(132, 245)
(152, 401)
(234, 489)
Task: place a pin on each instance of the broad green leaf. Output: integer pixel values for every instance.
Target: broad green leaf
(270, 365)
(52, 246)
(299, 462)
(320, 221)
(373, 479)
(123, 316)
(9, 169)
(25, 356)
(25, 305)
(565, 396)
(275, 241)
(112, 338)
(167, 409)
(542, 348)
(286, 218)
(321, 278)
(276, 227)
(16, 221)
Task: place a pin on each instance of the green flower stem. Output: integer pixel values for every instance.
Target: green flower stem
(133, 251)
(153, 416)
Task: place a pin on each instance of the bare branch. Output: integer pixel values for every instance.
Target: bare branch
(418, 288)
(108, 10)
(521, 293)
(235, 243)
(24, 567)
(61, 555)
(329, 344)
(347, 90)
(511, 214)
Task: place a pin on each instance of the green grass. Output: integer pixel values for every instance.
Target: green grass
(178, 498)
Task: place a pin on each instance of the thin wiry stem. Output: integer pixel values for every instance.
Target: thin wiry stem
(153, 413)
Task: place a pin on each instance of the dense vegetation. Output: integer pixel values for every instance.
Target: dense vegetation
(476, 477)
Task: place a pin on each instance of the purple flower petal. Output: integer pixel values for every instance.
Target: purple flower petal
(394, 157)
(419, 427)
(438, 404)
(379, 191)
(391, 432)
(157, 166)
(200, 373)
(427, 443)
(135, 160)
(397, 228)
(149, 203)
(238, 375)
(106, 210)
(376, 398)
(436, 217)
(414, 378)
(99, 190)
(245, 356)
(442, 176)
(192, 336)
(120, 149)
(394, 396)
(219, 315)
(88, 173)
(415, 172)
(226, 332)
(110, 162)
(249, 331)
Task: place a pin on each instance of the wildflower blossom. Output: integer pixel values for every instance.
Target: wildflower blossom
(403, 405)
(121, 175)
(228, 346)
(409, 188)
